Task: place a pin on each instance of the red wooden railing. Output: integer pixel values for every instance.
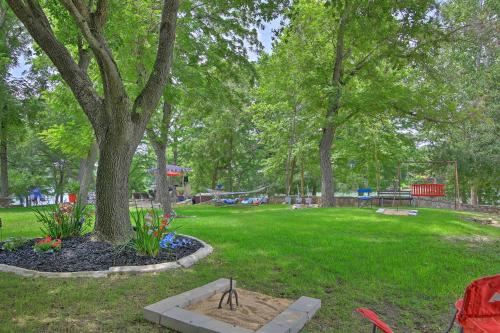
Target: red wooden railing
(427, 190)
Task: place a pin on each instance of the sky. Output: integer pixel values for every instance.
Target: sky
(265, 37)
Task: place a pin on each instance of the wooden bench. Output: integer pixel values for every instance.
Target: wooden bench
(394, 195)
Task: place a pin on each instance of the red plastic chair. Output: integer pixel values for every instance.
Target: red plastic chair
(477, 312)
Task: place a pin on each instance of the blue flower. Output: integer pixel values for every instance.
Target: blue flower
(168, 240)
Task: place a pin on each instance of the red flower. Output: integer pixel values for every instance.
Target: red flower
(155, 233)
(47, 239)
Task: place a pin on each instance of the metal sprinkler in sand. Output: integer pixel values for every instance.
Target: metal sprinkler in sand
(230, 293)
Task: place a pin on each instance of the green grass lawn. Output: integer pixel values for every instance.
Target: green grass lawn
(408, 269)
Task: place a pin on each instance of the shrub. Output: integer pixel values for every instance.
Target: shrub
(47, 245)
(64, 220)
(150, 228)
(13, 243)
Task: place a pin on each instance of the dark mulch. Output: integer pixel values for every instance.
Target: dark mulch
(83, 254)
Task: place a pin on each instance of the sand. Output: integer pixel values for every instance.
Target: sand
(397, 212)
(255, 309)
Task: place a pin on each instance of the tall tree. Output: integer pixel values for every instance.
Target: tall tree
(118, 120)
(362, 51)
(13, 42)
(469, 64)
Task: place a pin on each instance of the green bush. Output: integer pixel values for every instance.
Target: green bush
(13, 243)
(64, 220)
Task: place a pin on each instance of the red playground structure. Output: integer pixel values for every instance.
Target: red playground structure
(427, 190)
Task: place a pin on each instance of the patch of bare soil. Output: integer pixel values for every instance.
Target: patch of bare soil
(484, 221)
(255, 309)
(398, 212)
(477, 239)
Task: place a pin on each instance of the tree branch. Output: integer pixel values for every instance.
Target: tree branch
(161, 139)
(34, 19)
(337, 71)
(91, 30)
(84, 55)
(146, 101)
(101, 13)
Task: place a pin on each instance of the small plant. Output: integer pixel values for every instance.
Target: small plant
(13, 243)
(150, 228)
(47, 245)
(64, 220)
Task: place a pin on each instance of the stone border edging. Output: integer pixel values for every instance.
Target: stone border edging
(170, 312)
(184, 262)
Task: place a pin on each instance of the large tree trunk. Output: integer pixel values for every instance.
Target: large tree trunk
(302, 179)
(291, 174)
(159, 142)
(112, 207)
(4, 168)
(215, 176)
(325, 147)
(162, 181)
(378, 172)
(473, 194)
(86, 173)
(289, 163)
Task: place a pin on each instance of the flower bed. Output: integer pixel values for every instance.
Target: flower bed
(82, 254)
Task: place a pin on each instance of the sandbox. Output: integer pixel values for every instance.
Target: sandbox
(197, 311)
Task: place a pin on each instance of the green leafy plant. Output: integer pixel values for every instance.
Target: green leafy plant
(64, 220)
(13, 243)
(73, 187)
(150, 228)
(47, 245)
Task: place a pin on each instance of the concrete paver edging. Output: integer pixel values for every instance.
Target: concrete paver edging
(170, 312)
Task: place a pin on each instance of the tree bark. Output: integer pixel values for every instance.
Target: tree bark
(474, 200)
(325, 146)
(4, 168)
(162, 181)
(378, 171)
(291, 143)
(215, 176)
(86, 173)
(115, 158)
(302, 179)
(160, 143)
(291, 173)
